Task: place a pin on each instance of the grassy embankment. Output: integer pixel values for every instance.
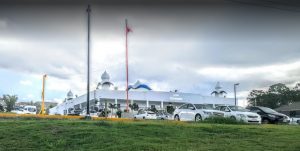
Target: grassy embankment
(43, 134)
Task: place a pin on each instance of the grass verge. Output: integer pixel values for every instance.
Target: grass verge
(43, 134)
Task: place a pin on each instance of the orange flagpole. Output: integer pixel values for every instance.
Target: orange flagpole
(43, 95)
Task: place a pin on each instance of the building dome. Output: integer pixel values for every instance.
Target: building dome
(218, 86)
(69, 95)
(105, 83)
(105, 76)
(218, 91)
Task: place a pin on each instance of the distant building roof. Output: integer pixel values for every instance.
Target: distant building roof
(139, 85)
(291, 107)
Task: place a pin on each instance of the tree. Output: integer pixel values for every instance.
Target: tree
(255, 97)
(134, 107)
(278, 88)
(277, 95)
(38, 106)
(10, 101)
(1, 108)
(112, 107)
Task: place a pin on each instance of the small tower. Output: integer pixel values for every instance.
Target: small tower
(218, 91)
(69, 95)
(105, 83)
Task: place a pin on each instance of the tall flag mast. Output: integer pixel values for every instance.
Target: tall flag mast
(88, 65)
(43, 95)
(127, 30)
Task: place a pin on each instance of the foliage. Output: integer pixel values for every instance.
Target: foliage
(170, 109)
(277, 95)
(222, 120)
(134, 107)
(104, 112)
(112, 106)
(143, 135)
(10, 101)
(38, 106)
(153, 109)
(1, 108)
(119, 113)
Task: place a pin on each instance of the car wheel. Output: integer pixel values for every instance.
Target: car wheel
(198, 118)
(176, 118)
(265, 121)
(232, 117)
(143, 117)
(162, 119)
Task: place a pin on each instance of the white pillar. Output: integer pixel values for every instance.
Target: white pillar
(147, 105)
(161, 105)
(116, 101)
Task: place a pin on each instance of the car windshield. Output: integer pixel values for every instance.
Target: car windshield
(267, 110)
(203, 106)
(238, 108)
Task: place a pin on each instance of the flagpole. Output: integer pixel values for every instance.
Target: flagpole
(126, 45)
(87, 116)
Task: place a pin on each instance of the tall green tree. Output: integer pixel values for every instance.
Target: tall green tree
(277, 95)
(1, 108)
(10, 101)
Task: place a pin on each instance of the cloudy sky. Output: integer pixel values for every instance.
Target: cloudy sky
(184, 45)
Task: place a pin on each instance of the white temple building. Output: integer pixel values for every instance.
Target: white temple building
(219, 92)
(139, 93)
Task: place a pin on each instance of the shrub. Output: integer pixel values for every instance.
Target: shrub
(222, 120)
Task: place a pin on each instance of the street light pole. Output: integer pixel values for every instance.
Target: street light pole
(88, 66)
(234, 86)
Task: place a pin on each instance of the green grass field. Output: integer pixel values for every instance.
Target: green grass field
(29, 134)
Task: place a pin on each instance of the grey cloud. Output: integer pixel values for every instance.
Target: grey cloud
(168, 44)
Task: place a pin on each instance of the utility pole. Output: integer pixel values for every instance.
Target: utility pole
(236, 84)
(88, 65)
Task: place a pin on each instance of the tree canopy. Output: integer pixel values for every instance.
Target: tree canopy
(10, 101)
(277, 95)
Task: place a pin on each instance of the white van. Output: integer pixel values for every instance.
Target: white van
(27, 110)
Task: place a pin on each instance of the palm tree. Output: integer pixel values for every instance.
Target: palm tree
(112, 106)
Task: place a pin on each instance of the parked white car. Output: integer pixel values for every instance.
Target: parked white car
(142, 114)
(240, 114)
(27, 110)
(163, 115)
(195, 112)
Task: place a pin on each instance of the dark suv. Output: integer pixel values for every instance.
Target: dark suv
(268, 115)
